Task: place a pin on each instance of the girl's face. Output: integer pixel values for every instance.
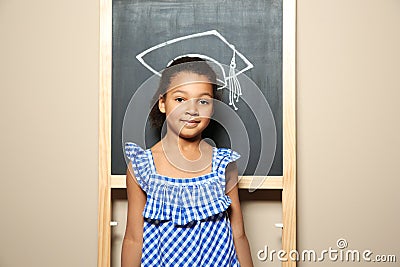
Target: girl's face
(188, 104)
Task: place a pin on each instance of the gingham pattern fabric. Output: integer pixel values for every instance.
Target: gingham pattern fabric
(186, 223)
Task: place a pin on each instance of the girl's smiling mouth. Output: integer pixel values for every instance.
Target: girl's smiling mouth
(191, 122)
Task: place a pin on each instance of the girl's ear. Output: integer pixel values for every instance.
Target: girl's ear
(161, 103)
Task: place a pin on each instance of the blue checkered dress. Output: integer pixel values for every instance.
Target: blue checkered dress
(185, 219)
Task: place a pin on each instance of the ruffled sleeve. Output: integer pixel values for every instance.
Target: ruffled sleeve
(140, 163)
(225, 156)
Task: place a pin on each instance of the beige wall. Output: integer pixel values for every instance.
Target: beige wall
(348, 125)
(49, 141)
(347, 111)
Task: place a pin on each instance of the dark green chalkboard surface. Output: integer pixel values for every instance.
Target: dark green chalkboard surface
(255, 28)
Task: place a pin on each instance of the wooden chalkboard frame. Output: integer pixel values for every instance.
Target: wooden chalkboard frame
(286, 183)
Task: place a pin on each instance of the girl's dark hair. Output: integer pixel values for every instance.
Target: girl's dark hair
(184, 64)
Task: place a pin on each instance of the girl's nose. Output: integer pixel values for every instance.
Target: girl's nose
(191, 108)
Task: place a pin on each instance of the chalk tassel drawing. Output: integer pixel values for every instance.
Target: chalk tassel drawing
(229, 81)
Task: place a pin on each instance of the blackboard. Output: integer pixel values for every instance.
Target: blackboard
(255, 26)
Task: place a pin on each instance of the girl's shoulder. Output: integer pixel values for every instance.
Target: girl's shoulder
(157, 149)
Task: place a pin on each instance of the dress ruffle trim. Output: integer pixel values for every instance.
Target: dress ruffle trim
(182, 215)
(185, 200)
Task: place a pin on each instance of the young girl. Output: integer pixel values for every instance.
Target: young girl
(183, 204)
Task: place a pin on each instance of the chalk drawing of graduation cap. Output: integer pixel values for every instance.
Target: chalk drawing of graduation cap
(210, 46)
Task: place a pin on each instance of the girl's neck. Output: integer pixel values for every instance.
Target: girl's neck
(190, 155)
(175, 142)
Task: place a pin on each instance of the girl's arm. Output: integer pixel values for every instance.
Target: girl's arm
(239, 236)
(133, 240)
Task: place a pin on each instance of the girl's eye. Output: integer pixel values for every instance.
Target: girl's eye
(203, 102)
(179, 99)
